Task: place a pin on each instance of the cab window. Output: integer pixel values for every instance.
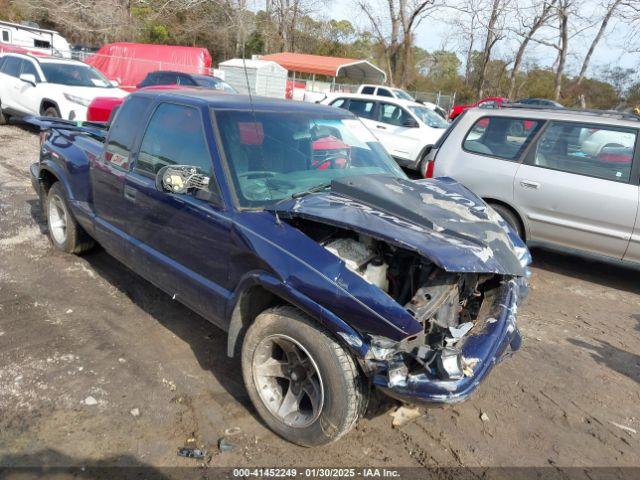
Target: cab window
(174, 136)
(5, 36)
(383, 92)
(589, 150)
(123, 131)
(501, 137)
(362, 108)
(368, 90)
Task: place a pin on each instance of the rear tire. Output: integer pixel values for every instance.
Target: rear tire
(509, 217)
(52, 112)
(327, 392)
(65, 232)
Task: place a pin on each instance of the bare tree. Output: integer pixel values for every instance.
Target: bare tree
(287, 14)
(495, 32)
(610, 10)
(394, 23)
(531, 19)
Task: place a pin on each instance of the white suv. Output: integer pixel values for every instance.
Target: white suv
(406, 129)
(51, 87)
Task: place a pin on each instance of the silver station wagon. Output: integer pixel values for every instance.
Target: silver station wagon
(561, 178)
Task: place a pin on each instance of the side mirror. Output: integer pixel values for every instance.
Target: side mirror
(114, 83)
(181, 179)
(28, 78)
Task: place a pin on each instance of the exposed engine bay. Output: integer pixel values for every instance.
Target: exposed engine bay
(448, 305)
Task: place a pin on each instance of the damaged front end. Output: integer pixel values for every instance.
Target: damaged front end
(453, 271)
(469, 323)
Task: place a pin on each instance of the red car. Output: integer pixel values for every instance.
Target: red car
(487, 102)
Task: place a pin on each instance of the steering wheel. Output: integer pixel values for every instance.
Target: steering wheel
(335, 161)
(257, 174)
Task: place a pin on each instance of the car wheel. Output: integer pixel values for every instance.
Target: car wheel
(304, 385)
(52, 112)
(509, 217)
(65, 232)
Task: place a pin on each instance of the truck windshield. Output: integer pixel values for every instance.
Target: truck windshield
(274, 155)
(74, 75)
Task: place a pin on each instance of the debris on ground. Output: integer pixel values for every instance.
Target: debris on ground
(191, 452)
(229, 432)
(170, 384)
(90, 401)
(69, 311)
(404, 415)
(225, 445)
(484, 417)
(135, 412)
(122, 360)
(629, 430)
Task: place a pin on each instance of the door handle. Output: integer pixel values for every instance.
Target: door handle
(529, 184)
(130, 193)
(381, 127)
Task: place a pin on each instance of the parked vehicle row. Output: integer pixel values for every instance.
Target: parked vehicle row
(289, 226)
(50, 86)
(560, 177)
(406, 129)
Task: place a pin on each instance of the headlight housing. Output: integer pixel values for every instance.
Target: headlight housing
(79, 100)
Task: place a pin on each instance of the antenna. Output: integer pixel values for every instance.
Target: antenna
(255, 119)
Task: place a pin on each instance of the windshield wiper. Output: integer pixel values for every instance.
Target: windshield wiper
(317, 188)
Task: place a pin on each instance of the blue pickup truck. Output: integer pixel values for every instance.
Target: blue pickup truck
(288, 226)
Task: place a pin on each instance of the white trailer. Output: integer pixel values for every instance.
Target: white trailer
(34, 39)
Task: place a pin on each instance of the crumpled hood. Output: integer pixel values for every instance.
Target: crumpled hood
(438, 218)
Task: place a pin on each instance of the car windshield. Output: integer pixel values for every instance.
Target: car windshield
(276, 155)
(74, 75)
(402, 94)
(429, 117)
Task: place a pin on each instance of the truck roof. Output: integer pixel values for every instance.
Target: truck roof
(217, 99)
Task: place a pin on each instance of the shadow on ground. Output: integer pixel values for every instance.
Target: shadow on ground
(53, 464)
(621, 361)
(607, 274)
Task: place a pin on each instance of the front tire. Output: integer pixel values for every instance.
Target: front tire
(304, 385)
(4, 118)
(64, 231)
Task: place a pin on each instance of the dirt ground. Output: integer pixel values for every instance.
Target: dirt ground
(78, 327)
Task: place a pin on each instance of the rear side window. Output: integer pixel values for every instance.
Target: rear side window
(185, 80)
(174, 136)
(368, 90)
(11, 66)
(589, 150)
(383, 92)
(362, 108)
(501, 137)
(123, 131)
(5, 36)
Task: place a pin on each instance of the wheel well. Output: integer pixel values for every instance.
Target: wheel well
(46, 180)
(492, 201)
(46, 103)
(252, 302)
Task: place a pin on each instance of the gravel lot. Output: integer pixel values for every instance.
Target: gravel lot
(84, 343)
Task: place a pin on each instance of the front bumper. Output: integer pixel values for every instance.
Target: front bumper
(485, 347)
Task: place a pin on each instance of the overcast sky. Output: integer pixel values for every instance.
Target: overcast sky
(433, 35)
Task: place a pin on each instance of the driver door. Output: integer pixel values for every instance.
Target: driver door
(180, 242)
